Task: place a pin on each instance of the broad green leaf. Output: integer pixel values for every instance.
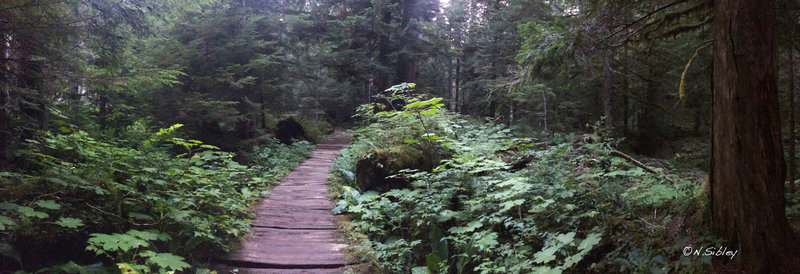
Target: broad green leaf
(420, 270)
(591, 240)
(149, 235)
(69, 222)
(30, 212)
(541, 206)
(116, 241)
(471, 226)
(447, 214)
(104, 241)
(423, 103)
(547, 270)
(546, 255)
(210, 147)
(128, 242)
(125, 268)
(566, 238)
(510, 204)
(487, 242)
(48, 204)
(168, 261)
(147, 254)
(6, 222)
(9, 206)
(429, 111)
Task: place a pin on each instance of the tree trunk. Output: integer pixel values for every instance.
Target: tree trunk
(652, 130)
(102, 112)
(626, 103)
(35, 110)
(625, 112)
(492, 109)
(263, 103)
(512, 108)
(384, 49)
(406, 65)
(747, 169)
(792, 106)
(6, 127)
(453, 89)
(608, 89)
(458, 85)
(544, 114)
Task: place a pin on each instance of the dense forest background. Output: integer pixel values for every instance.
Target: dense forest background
(229, 69)
(136, 133)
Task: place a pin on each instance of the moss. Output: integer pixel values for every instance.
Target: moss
(374, 166)
(702, 212)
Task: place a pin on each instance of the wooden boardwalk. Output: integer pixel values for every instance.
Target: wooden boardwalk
(294, 230)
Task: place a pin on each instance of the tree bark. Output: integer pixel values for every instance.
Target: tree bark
(102, 111)
(792, 137)
(544, 112)
(263, 105)
(608, 89)
(511, 108)
(651, 124)
(747, 169)
(457, 83)
(626, 103)
(384, 49)
(453, 89)
(6, 127)
(406, 65)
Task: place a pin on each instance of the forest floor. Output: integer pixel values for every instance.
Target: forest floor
(294, 230)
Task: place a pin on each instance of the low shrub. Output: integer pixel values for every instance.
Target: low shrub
(140, 208)
(569, 207)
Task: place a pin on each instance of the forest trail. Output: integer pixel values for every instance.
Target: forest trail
(294, 230)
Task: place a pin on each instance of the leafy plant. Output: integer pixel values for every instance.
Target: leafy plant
(141, 206)
(479, 211)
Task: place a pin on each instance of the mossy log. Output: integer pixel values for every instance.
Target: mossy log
(373, 167)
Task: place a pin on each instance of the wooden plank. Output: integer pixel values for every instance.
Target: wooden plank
(289, 271)
(307, 204)
(282, 260)
(294, 231)
(309, 249)
(294, 234)
(295, 223)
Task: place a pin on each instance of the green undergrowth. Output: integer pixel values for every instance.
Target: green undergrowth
(159, 203)
(575, 207)
(317, 130)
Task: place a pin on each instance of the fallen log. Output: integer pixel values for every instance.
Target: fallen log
(632, 160)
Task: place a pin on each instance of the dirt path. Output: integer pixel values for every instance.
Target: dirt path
(294, 230)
